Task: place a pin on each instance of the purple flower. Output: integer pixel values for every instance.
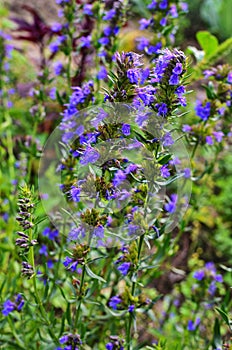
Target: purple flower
(163, 22)
(75, 193)
(193, 325)
(109, 346)
(152, 5)
(199, 275)
(99, 117)
(11, 91)
(90, 155)
(9, 104)
(50, 234)
(174, 79)
(210, 267)
(187, 173)
(75, 232)
(52, 93)
(168, 140)
(133, 75)
(114, 301)
(180, 91)
(64, 339)
(107, 31)
(186, 128)
(146, 94)
(209, 140)
(104, 41)
(50, 264)
(87, 9)
(102, 74)
(144, 75)
(178, 69)
(162, 109)
(119, 177)
(229, 78)
(85, 41)
(208, 73)
(131, 168)
(163, 5)
(142, 43)
(58, 67)
(70, 264)
(8, 307)
(60, 13)
(131, 308)
(55, 45)
(144, 23)
(218, 135)
(67, 261)
(79, 131)
(99, 231)
(212, 288)
(56, 27)
(173, 11)
(183, 101)
(151, 50)
(184, 6)
(203, 111)
(109, 15)
(175, 161)
(43, 250)
(19, 301)
(61, 2)
(164, 171)
(126, 129)
(218, 278)
(124, 268)
(171, 206)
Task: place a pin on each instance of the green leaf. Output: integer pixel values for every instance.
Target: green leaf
(225, 23)
(93, 275)
(210, 91)
(172, 179)
(164, 159)
(224, 316)
(147, 267)
(217, 340)
(207, 41)
(115, 312)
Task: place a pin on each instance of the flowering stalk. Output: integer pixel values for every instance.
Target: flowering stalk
(26, 243)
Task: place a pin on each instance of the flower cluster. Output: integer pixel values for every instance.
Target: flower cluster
(79, 254)
(115, 343)
(209, 271)
(70, 342)
(10, 306)
(81, 98)
(213, 112)
(113, 18)
(6, 89)
(128, 260)
(163, 14)
(25, 219)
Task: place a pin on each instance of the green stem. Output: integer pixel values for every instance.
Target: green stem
(30, 160)
(31, 260)
(80, 297)
(19, 342)
(128, 331)
(194, 149)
